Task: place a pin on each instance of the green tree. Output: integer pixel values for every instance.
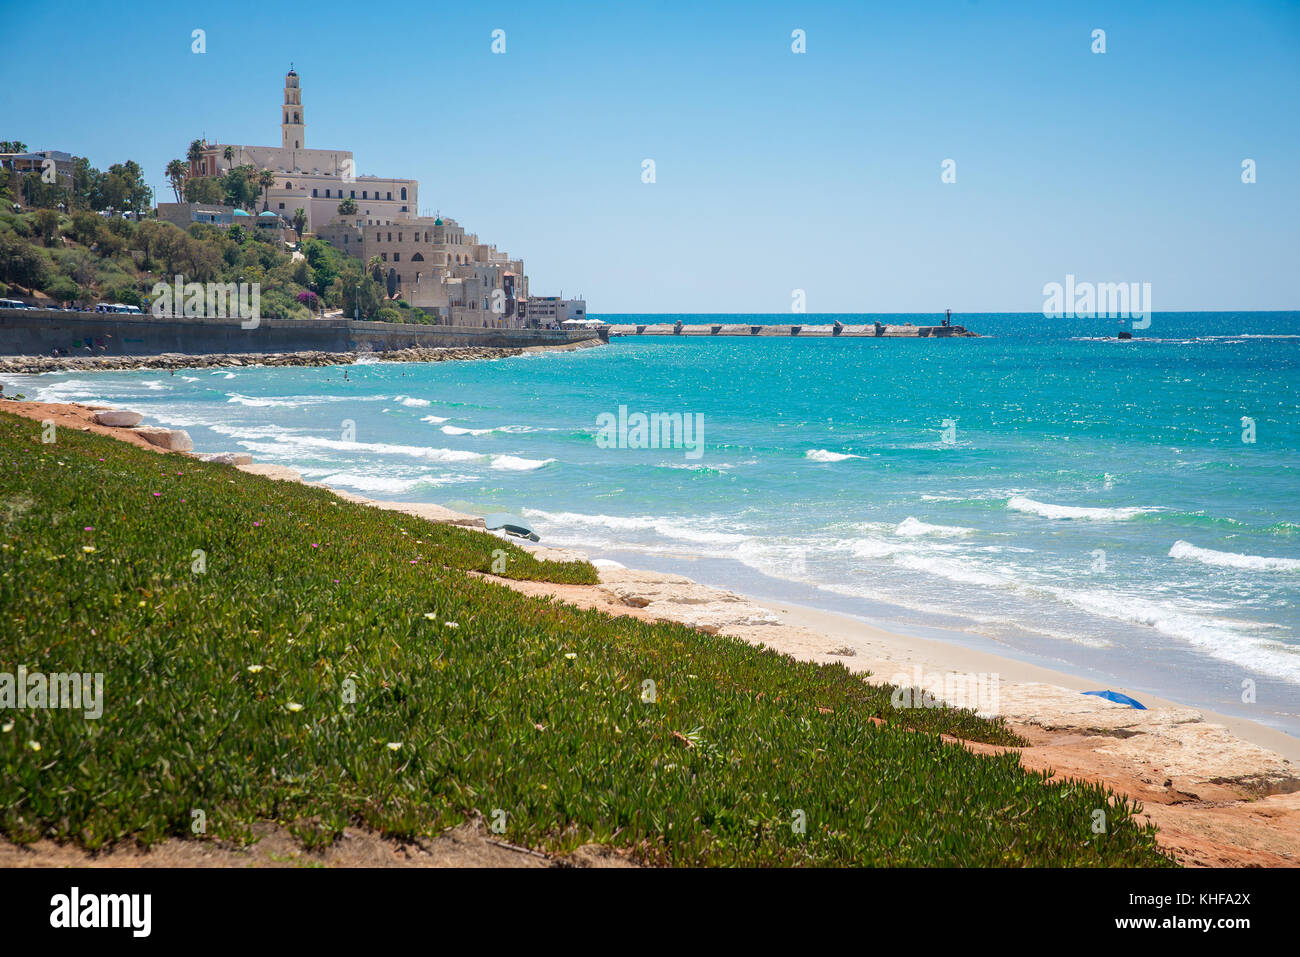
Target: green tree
(204, 189)
(195, 152)
(47, 225)
(12, 146)
(299, 221)
(266, 179)
(348, 207)
(229, 154)
(22, 263)
(177, 171)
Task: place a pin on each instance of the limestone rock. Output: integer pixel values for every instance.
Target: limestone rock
(173, 440)
(228, 458)
(118, 418)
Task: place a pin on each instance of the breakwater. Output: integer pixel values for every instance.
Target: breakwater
(46, 332)
(837, 330)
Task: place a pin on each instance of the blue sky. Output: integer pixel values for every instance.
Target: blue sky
(775, 171)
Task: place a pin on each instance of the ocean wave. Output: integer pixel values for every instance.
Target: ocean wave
(1208, 556)
(511, 463)
(1018, 503)
(260, 403)
(822, 455)
(686, 529)
(457, 430)
(411, 402)
(433, 419)
(913, 528)
(371, 483)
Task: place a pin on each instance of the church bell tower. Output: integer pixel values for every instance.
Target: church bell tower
(292, 128)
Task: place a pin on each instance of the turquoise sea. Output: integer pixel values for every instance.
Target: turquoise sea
(1043, 491)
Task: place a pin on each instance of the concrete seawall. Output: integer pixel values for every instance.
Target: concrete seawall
(39, 332)
(870, 330)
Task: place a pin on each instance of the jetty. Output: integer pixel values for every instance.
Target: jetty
(872, 330)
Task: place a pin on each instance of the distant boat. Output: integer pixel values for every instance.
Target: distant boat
(1119, 698)
(511, 525)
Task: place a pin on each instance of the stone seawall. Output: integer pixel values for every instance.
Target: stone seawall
(839, 330)
(40, 332)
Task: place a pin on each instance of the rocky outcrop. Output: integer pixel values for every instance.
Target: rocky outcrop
(176, 360)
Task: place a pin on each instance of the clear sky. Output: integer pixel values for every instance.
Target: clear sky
(775, 171)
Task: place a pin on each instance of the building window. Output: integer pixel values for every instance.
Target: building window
(384, 256)
(390, 194)
(352, 191)
(399, 237)
(403, 192)
(390, 237)
(364, 194)
(403, 209)
(313, 192)
(282, 205)
(397, 257)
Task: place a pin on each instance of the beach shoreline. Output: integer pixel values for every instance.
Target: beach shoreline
(1189, 767)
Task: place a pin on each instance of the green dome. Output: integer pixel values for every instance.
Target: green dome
(241, 212)
(437, 222)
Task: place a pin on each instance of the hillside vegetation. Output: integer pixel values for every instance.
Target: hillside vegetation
(327, 665)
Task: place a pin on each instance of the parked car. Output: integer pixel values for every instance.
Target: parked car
(119, 307)
(14, 304)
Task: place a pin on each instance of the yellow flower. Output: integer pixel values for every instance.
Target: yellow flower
(254, 669)
(294, 706)
(431, 615)
(34, 745)
(394, 745)
(570, 655)
(87, 548)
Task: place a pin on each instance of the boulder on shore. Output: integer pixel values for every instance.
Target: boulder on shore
(173, 440)
(118, 418)
(228, 458)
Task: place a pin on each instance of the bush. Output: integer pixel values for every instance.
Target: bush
(63, 289)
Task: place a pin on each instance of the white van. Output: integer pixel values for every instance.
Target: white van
(119, 307)
(13, 304)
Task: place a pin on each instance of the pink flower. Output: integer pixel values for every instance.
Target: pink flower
(315, 545)
(89, 528)
(157, 494)
(257, 524)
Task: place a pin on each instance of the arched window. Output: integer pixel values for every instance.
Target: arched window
(288, 185)
(417, 258)
(403, 192)
(295, 116)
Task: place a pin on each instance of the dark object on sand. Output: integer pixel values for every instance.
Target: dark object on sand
(1119, 698)
(1126, 335)
(511, 525)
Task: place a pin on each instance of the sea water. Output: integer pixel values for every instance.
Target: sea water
(1123, 509)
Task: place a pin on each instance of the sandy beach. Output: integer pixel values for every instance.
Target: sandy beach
(1224, 791)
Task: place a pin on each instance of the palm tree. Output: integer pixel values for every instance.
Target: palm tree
(266, 179)
(299, 221)
(195, 152)
(229, 154)
(374, 266)
(348, 207)
(177, 170)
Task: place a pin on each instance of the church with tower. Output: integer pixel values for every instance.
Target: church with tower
(431, 262)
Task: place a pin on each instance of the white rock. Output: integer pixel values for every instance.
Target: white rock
(118, 418)
(173, 440)
(228, 458)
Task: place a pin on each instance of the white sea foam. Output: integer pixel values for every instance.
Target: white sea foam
(433, 419)
(822, 455)
(371, 483)
(510, 463)
(913, 528)
(260, 403)
(457, 430)
(1018, 503)
(411, 402)
(687, 529)
(1208, 556)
